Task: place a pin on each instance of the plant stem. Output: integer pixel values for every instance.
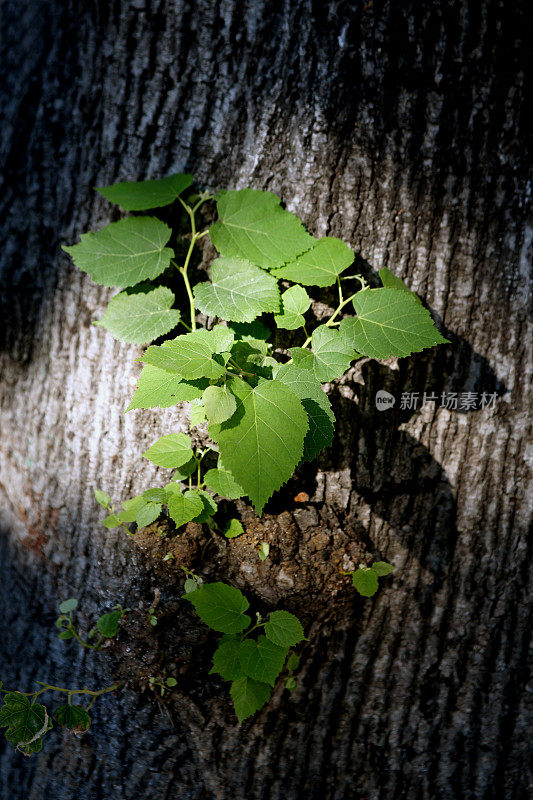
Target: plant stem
(51, 688)
(205, 197)
(195, 235)
(362, 281)
(340, 290)
(232, 363)
(48, 687)
(331, 320)
(111, 508)
(254, 628)
(80, 640)
(183, 271)
(198, 472)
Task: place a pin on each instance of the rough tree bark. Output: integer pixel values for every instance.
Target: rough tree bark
(400, 127)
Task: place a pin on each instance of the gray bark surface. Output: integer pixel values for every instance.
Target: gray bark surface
(401, 128)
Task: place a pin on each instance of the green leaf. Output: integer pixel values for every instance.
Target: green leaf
(107, 624)
(303, 358)
(221, 607)
(143, 195)
(262, 660)
(68, 605)
(290, 683)
(250, 331)
(139, 317)
(320, 265)
(110, 522)
(148, 514)
(223, 483)
(332, 356)
(391, 281)
(173, 450)
(124, 253)
(158, 388)
(226, 659)
(381, 568)
(190, 585)
(295, 302)
(197, 414)
(219, 403)
(239, 291)
(252, 358)
(190, 355)
(209, 506)
(131, 508)
(102, 498)
(155, 495)
(365, 581)
(252, 225)
(66, 635)
(140, 510)
(223, 338)
(284, 629)
(73, 717)
(389, 322)
(183, 508)
(233, 528)
(248, 696)
(24, 721)
(316, 403)
(293, 662)
(33, 747)
(171, 682)
(263, 441)
(183, 472)
(264, 551)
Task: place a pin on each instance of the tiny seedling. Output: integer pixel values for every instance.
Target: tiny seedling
(365, 579)
(293, 662)
(264, 551)
(162, 684)
(106, 625)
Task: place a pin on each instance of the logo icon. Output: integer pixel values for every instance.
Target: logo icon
(384, 400)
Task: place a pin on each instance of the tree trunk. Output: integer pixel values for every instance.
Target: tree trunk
(401, 128)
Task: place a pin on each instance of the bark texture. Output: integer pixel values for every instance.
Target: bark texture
(402, 128)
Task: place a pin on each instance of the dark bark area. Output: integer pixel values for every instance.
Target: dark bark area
(402, 128)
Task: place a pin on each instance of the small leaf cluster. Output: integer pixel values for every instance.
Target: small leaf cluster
(265, 412)
(365, 579)
(160, 685)
(27, 721)
(106, 625)
(252, 663)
